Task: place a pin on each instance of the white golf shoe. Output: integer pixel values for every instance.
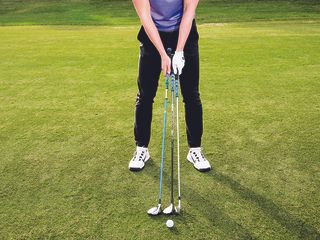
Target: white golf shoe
(140, 157)
(196, 157)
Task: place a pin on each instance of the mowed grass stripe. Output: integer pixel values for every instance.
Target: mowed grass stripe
(121, 12)
(67, 102)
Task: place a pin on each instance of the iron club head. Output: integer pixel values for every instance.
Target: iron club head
(177, 209)
(155, 210)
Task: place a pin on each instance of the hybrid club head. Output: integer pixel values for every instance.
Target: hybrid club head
(155, 210)
(169, 210)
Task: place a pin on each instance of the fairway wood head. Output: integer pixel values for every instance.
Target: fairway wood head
(169, 210)
(155, 210)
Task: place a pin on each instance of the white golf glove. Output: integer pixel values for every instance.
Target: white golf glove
(178, 62)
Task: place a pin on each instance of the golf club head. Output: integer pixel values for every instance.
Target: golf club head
(169, 210)
(178, 209)
(155, 210)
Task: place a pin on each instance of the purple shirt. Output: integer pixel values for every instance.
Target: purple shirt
(166, 14)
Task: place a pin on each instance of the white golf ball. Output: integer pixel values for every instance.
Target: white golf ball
(169, 223)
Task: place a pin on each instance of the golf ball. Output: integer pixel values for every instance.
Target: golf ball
(169, 223)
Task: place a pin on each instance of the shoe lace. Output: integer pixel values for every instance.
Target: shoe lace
(199, 156)
(141, 154)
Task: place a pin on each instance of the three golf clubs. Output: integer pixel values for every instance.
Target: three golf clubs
(171, 209)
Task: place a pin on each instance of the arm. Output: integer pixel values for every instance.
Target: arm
(189, 10)
(186, 22)
(143, 10)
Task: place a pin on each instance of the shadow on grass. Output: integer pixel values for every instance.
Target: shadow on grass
(292, 224)
(217, 217)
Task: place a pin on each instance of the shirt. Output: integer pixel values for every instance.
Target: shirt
(166, 14)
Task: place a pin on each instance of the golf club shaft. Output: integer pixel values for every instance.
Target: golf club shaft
(178, 143)
(172, 133)
(163, 135)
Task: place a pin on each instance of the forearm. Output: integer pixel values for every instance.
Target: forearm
(186, 23)
(143, 10)
(153, 35)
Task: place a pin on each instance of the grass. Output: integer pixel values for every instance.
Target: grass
(121, 12)
(67, 96)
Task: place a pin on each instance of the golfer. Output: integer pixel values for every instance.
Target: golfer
(168, 24)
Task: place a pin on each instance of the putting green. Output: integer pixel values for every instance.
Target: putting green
(67, 97)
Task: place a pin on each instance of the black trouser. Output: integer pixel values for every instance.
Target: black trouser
(149, 72)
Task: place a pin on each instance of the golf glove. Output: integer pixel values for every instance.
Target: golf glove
(178, 62)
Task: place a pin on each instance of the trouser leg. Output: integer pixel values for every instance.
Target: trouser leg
(189, 82)
(149, 71)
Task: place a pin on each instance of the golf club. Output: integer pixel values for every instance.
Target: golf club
(157, 210)
(178, 208)
(171, 208)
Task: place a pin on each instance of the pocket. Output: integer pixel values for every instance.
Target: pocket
(143, 37)
(139, 36)
(194, 31)
(142, 52)
(146, 46)
(147, 50)
(191, 47)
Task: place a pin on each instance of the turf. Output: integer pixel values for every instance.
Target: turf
(67, 97)
(121, 12)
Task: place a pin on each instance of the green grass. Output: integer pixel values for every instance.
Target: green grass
(121, 12)
(67, 97)
(66, 104)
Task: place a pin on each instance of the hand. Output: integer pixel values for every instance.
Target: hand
(178, 62)
(165, 64)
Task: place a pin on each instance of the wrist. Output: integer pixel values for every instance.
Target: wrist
(162, 53)
(179, 49)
